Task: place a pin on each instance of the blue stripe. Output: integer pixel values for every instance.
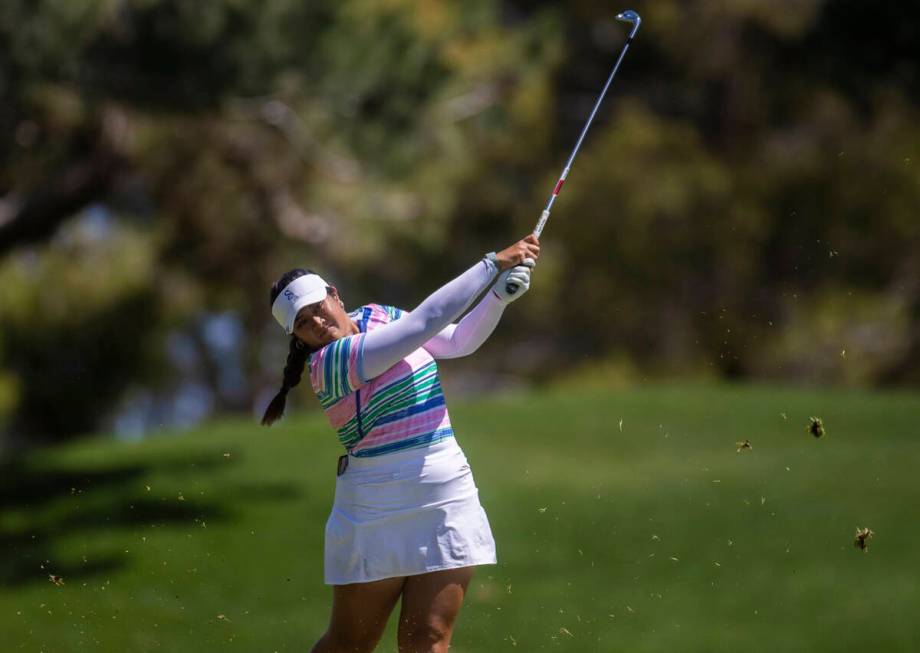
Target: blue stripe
(360, 362)
(327, 381)
(435, 401)
(362, 327)
(365, 316)
(382, 401)
(412, 443)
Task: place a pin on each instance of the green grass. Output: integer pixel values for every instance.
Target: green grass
(653, 536)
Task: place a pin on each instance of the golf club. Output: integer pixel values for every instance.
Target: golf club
(632, 18)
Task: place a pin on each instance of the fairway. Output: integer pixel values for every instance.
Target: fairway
(626, 520)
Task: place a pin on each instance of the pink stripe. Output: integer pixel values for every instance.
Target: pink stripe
(315, 376)
(406, 429)
(401, 370)
(340, 412)
(354, 381)
(558, 186)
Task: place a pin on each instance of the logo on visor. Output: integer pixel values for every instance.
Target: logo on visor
(290, 295)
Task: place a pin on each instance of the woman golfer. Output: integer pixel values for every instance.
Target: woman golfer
(406, 520)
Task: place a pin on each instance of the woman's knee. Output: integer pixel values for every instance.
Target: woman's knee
(429, 636)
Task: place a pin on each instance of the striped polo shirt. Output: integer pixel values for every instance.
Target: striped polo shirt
(403, 408)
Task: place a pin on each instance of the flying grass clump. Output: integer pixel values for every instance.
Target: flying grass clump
(744, 445)
(862, 538)
(816, 427)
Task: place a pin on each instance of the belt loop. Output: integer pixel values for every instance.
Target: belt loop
(342, 465)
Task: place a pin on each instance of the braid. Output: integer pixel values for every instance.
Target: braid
(293, 371)
(297, 354)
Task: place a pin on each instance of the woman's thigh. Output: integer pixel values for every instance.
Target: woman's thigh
(430, 605)
(360, 612)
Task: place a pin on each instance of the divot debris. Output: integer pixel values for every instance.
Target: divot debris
(863, 535)
(816, 427)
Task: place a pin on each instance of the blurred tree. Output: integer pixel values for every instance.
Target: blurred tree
(763, 168)
(73, 337)
(754, 165)
(238, 138)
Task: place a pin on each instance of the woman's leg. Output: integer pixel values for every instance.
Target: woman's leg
(430, 605)
(359, 616)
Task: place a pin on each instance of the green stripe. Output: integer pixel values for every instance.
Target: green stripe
(398, 397)
(379, 404)
(336, 362)
(349, 430)
(335, 371)
(408, 400)
(349, 435)
(408, 381)
(421, 386)
(421, 394)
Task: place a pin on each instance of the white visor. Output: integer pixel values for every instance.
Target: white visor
(301, 292)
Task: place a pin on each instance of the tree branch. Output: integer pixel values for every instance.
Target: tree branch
(30, 218)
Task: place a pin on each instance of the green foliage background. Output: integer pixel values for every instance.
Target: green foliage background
(745, 205)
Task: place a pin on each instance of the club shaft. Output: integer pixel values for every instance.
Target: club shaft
(568, 164)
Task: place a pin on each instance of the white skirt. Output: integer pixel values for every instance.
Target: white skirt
(406, 513)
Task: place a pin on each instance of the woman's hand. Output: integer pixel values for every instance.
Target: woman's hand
(526, 248)
(513, 283)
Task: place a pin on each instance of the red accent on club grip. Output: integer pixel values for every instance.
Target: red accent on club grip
(558, 186)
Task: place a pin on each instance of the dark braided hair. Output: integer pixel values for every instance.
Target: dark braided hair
(298, 353)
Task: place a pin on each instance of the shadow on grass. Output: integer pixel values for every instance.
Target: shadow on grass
(40, 504)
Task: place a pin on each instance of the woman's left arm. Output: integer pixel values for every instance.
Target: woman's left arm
(467, 336)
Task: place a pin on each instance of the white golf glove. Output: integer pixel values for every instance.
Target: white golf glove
(519, 276)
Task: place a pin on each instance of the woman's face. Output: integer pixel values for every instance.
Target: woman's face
(319, 324)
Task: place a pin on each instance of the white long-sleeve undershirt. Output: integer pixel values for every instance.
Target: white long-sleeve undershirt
(386, 346)
(465, 337)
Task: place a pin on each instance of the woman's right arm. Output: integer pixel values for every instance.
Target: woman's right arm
(462, 339)
(386, 346)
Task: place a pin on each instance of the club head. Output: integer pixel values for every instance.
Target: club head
(631, 17)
